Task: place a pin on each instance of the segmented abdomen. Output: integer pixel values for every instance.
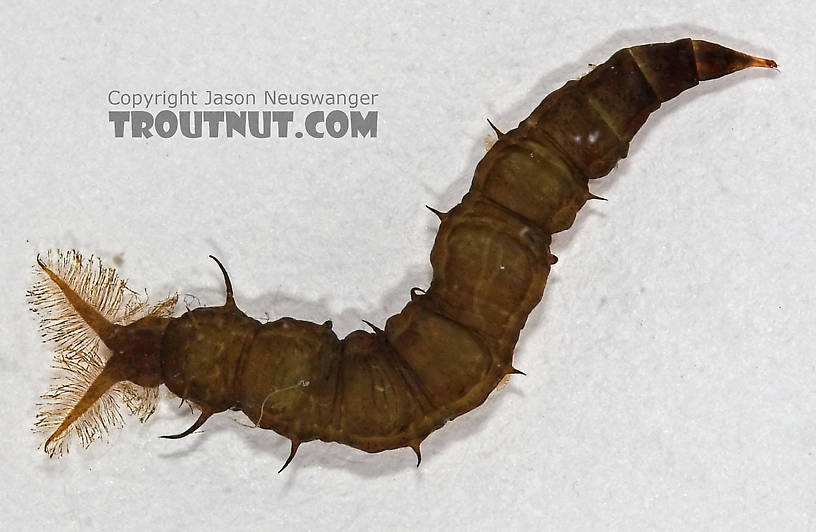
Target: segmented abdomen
(449, 347)
(438, 358)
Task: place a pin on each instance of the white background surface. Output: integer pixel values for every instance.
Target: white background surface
(671, 378)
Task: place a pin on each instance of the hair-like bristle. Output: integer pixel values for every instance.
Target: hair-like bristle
(79, 356)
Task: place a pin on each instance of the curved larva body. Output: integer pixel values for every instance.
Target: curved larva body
(451, 345)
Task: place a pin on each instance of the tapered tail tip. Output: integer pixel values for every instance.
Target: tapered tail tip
(763, 63)
(713, 60)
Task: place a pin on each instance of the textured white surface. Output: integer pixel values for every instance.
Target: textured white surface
(671, 378)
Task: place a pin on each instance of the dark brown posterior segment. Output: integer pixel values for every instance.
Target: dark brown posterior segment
(449, 347)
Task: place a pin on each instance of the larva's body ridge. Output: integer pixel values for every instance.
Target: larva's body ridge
(450, 346)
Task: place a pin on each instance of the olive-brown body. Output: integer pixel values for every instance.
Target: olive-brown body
(450, 346)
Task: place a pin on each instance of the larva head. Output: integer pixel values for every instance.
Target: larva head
(81, 303)
(136, 350)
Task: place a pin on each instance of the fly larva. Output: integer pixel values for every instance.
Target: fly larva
(437, 359)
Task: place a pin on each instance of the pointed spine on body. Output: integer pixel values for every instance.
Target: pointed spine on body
(450, 346)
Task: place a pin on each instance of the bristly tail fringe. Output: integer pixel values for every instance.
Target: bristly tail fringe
(79, 356)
